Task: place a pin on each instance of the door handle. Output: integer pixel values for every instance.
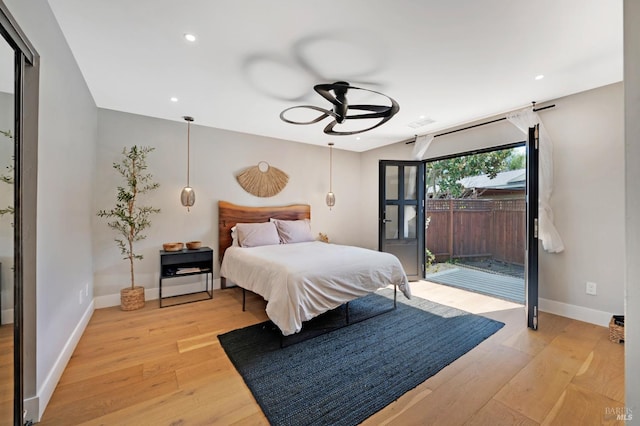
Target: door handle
(386, 220)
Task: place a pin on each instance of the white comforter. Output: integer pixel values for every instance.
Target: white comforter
(300, 281)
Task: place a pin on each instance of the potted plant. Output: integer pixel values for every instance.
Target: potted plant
(128, 218)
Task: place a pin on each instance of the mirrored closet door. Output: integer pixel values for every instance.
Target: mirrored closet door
(7, 180)
(19, 86)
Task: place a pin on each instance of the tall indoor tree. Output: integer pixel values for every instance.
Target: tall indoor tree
(128, 218)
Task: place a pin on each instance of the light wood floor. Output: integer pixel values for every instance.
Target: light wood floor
(6, 374)
(166, 367)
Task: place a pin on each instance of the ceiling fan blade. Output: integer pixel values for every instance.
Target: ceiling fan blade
(366, 116)
(378, 111)
(325, 114)
(329, 128)
(378, 108)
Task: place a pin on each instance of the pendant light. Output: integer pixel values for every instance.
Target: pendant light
(188, 195)
(331, 197)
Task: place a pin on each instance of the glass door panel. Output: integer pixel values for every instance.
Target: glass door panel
(410, 222)
(391, 218)
(391, 179)
(401, 214)
(410, 175)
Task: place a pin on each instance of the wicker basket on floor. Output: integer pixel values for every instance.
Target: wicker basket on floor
(132, 298)
(616, 332)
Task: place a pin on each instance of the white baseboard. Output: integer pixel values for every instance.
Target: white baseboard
(109, 300)
(6, 316)
(49, 385)
(579, 313)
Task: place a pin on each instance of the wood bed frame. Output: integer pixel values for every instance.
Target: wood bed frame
(231, 214)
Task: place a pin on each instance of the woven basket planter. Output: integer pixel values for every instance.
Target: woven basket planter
(616, 332)
(132, 298)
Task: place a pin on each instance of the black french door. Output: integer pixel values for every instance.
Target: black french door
(401, 214)
(531, 258)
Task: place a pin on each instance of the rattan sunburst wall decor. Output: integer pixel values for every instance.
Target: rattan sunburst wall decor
(263, 180)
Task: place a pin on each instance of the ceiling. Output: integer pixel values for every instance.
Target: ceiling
(445, 61)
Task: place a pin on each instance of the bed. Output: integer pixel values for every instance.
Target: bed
(301, 278)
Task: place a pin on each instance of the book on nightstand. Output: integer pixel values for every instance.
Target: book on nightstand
(188, 270)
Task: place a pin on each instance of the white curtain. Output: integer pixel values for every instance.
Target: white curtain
(547, 233)
(421, 146)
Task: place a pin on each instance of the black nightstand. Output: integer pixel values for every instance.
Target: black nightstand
(183, 263)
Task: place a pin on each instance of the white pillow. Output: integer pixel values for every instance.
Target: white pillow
(294, 231)
(234, 237)
(257, 234)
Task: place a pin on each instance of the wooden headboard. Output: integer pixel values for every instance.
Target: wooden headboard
(230, 214)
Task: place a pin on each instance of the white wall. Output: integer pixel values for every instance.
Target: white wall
(588, 200)
(66, 151)
(217, 156)
(632, 191)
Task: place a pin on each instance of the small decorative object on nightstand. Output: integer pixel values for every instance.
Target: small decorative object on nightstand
(192, 245)
(172, 246)
(184, 263)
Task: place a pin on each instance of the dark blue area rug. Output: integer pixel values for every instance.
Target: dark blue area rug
(345, 376)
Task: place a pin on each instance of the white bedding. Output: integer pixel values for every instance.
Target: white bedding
(302, 280)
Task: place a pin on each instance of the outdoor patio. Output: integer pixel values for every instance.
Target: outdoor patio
(479, 244)
(499, 279)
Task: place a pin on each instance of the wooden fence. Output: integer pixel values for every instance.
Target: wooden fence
(477, 228)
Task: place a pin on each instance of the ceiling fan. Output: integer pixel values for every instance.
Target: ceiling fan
(336, 93)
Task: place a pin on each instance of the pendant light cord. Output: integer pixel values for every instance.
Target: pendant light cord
(188, 149)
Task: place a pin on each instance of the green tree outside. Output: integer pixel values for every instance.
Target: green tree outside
(442, 176)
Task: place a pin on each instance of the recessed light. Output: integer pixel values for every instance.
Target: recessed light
(357, 138)
(539, 77)
(190, 37)
(421, 117)
(174, 99)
